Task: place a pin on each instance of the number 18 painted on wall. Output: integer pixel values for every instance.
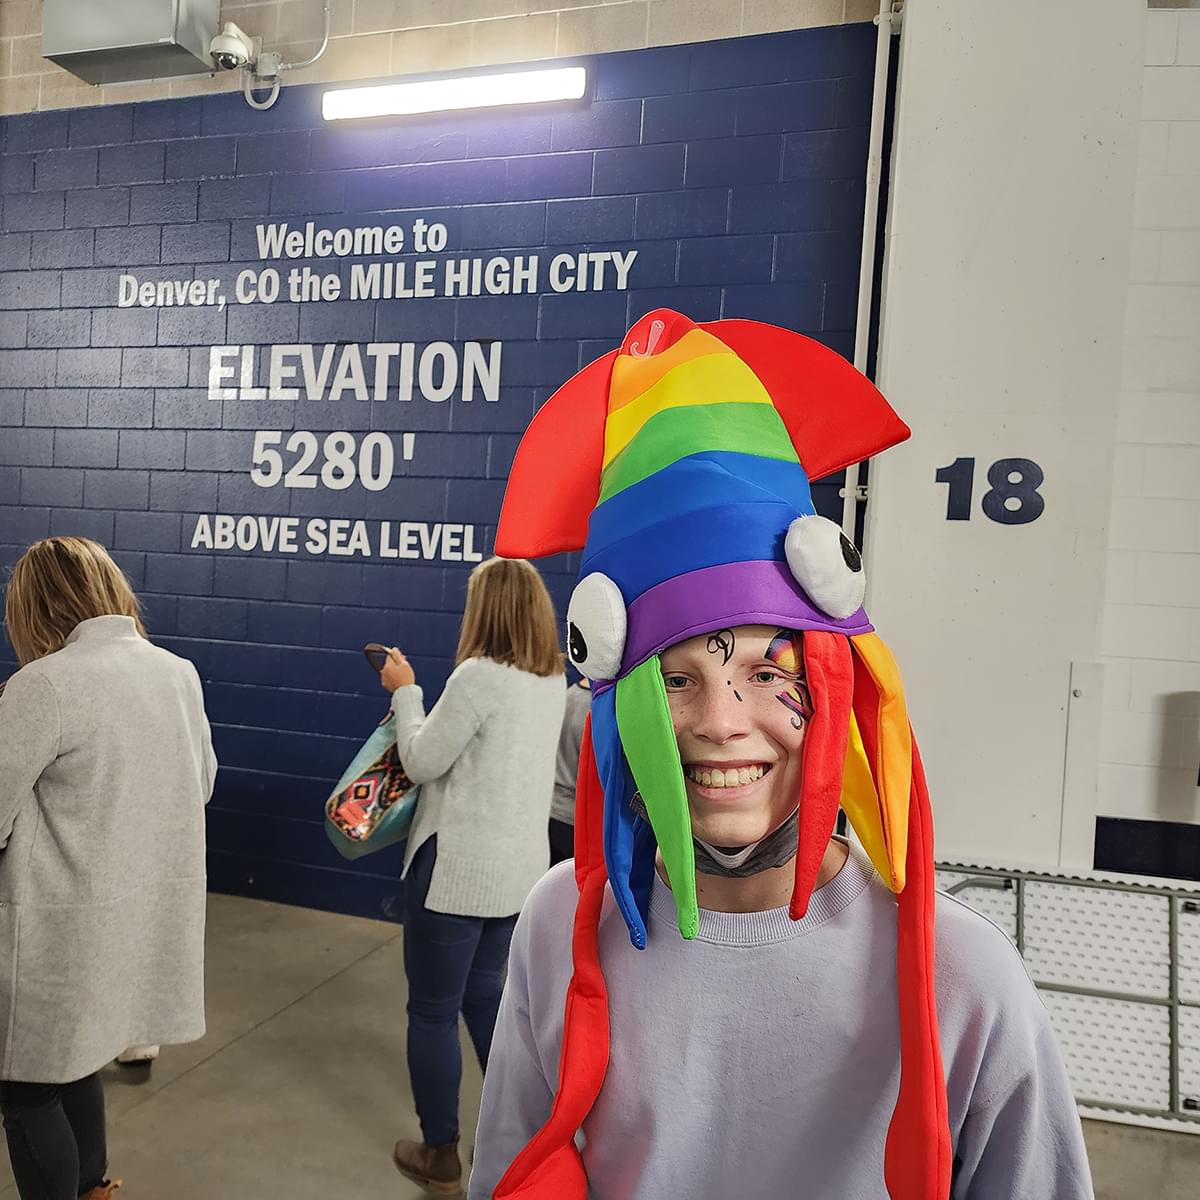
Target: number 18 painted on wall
(1013, 498)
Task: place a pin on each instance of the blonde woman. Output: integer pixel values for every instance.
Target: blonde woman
(105, 767)
(485, 759)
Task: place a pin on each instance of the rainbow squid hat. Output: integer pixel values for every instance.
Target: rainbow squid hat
(680, 464)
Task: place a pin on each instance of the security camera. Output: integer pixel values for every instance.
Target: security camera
(231, 48)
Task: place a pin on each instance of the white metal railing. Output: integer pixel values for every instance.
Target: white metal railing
(1135, 943)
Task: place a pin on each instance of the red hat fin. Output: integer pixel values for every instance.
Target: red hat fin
(834, 414)
(555, 479)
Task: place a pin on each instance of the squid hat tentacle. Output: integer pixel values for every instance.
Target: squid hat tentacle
(888, 805)
(918, 1155)
(687, 488)
(830, 681)
(550, 1166)
(645, 724)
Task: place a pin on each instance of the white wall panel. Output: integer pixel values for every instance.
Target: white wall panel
(1007, 254)
(1162, 37)
(1171, 93)
(1155, 632)
(1188, 45)
(1183, 148)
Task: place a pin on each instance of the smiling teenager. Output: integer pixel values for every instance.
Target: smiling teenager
(740, 705)
(753, 1006)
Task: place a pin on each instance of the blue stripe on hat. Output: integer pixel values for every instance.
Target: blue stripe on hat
(628, 840)
(704, 511)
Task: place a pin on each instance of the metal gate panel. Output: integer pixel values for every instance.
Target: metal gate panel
(1189, 1060)
(998, 904)
(1091, 938)
(1188, 951)
(1117, 962)
(1117, 1052)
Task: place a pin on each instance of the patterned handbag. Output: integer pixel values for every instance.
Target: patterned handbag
(373, 803)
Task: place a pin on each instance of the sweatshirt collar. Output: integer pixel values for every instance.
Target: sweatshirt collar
(773, 925)
(95, 628)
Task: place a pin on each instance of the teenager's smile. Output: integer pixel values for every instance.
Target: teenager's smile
(726, 780)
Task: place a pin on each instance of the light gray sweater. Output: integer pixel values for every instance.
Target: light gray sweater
(485, 760)
(105, 767)
(762, 1059)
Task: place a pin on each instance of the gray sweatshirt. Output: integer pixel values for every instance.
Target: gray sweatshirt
(762, 1059)
(485, 759)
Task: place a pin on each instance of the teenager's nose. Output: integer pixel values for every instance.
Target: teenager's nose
(722, 716)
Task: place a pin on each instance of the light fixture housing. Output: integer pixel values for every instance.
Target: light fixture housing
(495, 89)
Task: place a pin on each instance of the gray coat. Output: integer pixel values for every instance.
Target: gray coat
(106, 764)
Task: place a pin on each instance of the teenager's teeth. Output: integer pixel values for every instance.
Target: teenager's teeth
(734, 777)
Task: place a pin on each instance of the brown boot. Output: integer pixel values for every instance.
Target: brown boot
(436, 1168)
(103, 1192)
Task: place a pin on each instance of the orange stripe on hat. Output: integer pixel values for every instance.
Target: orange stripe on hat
(639, 370)
(704, 380)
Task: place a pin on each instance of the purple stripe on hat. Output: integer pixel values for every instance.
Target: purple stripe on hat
(742, 593)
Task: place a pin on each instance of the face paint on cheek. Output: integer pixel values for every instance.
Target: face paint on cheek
(799, 702)
(786, 652)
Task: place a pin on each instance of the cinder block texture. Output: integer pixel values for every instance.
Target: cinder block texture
(729, 174)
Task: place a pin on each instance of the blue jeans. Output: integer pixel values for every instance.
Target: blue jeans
(454, 964)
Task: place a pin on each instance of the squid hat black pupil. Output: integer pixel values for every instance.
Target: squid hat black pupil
(576, 644)
(851, 555)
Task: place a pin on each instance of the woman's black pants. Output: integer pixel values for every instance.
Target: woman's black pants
(55, 1134)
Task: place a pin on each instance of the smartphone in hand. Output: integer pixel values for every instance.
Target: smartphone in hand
(377, 655)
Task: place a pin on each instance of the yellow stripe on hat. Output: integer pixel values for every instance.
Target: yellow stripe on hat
(892, 771)
(860, 803)
(633, 374)
(710, 379)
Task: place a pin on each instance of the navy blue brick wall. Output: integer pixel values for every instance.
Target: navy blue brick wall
(734, 168)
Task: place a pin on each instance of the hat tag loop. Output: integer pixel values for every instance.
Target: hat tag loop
(657, 329)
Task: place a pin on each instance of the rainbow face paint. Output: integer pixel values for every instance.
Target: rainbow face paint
(786, 651)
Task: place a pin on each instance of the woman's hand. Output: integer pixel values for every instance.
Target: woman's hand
(397, 671)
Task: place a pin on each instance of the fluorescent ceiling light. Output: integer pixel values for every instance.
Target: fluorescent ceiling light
(462, 91)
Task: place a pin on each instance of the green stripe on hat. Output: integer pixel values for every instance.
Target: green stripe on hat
(648, 739)
(677, 432)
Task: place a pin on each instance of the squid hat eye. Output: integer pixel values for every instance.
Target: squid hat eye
(596, 624)
(826, 564)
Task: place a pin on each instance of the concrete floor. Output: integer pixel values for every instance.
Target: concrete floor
(300, 1088)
